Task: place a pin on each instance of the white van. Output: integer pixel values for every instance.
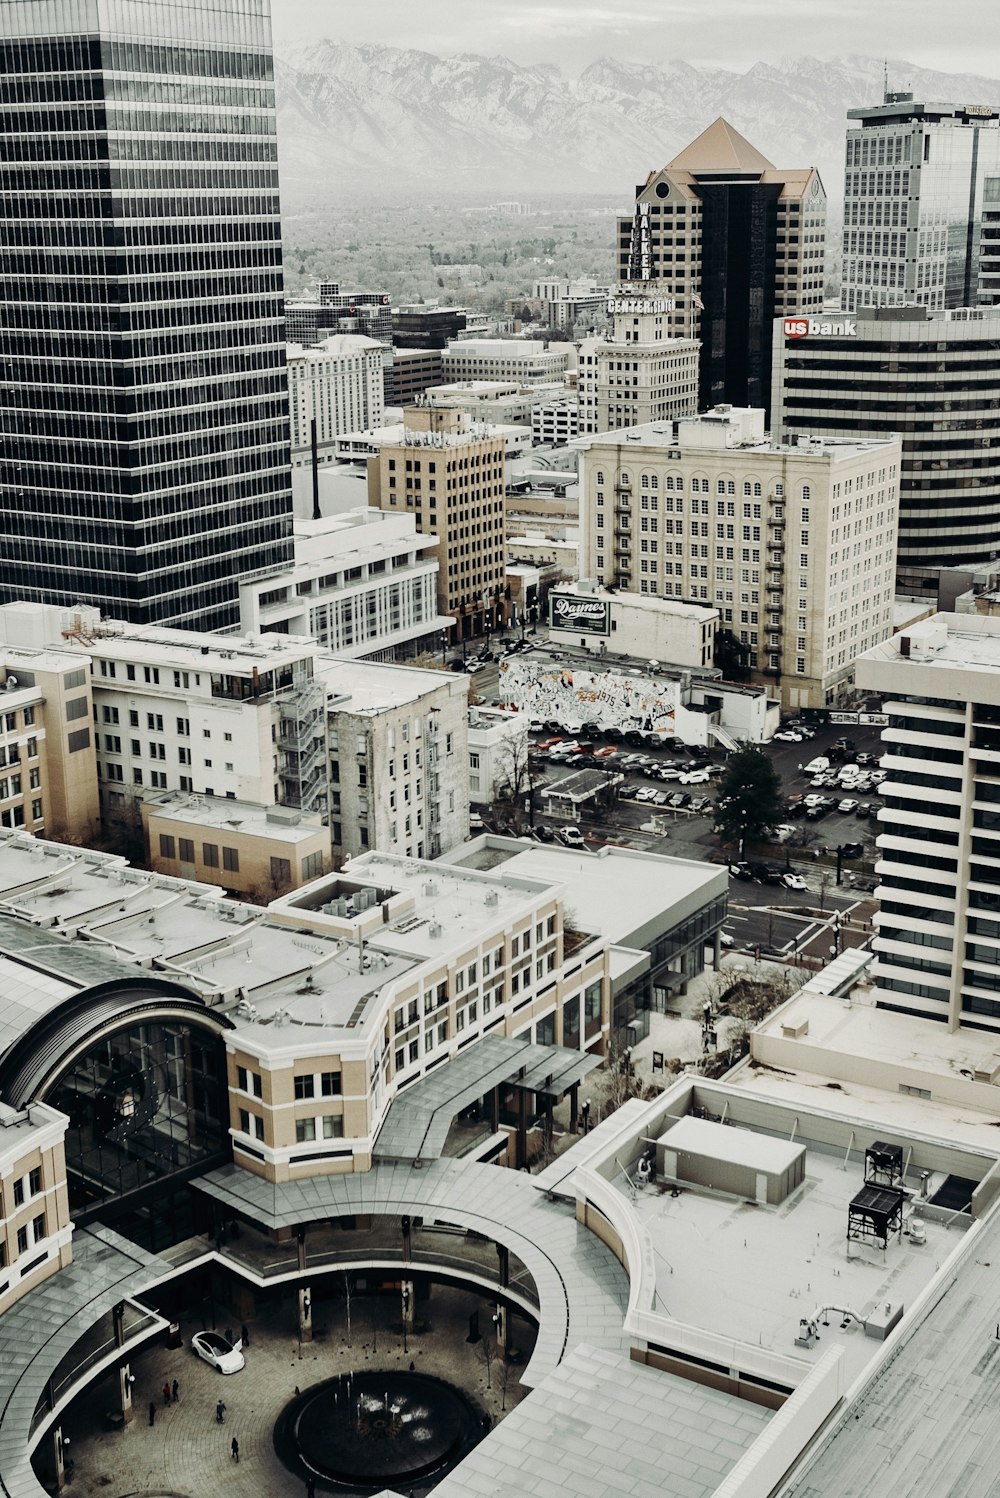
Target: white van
(816, 766)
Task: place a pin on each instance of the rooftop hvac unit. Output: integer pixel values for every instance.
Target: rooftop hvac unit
(434, 929)
(365, 899)
(492, 898)
(430, 888)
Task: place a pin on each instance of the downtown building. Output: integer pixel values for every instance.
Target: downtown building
(937, 948)
(921, 194)
(794, 545)
(736, 242)
(643, 372)
(338, 385)
(146, 465)
(933, 378)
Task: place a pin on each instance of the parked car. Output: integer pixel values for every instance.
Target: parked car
(789, 736)
(701, 803)
(695, 777)
(218, 1351)
(817, 766)
(471, 667)
(847, 805)
(863, 809)
(543, 834)
(549, 743)
(741, 870)
(535, 725)
(866, 759)
(764, 873)
(852, 850)
(794, 881)
(606, 752)
(815, 800)
(782, 832)
(678, 799)
(659, 798)
(571, 837)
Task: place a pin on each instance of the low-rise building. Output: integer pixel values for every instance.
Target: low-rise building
(48, 768)
(255, 851)
(651, 629)
(498, 755)
(529, 361)
(364, 584)
(556, 421)
(794, 545)
(35, 1228)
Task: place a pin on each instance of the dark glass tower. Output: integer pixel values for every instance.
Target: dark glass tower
(144, 463)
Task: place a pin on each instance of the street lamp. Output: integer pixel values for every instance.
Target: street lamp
(585, 1115)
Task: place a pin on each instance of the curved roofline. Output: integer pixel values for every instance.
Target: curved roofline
(43, 1053)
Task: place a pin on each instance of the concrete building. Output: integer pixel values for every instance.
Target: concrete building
(527, 361)
(398, 758)
(35, 1228)
(932, 379)
(251, 850)
(498, 755)
(652, 629)
(555, 422)
(643, 371)
(795, 546)
(48, 768)
(409, 373)
(450, 476)
(937, 950)
(337, 384)
(364, 584)
(736, 242)
(569, 304)
(918, 182)
(494, 401)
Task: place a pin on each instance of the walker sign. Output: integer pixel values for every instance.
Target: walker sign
(816, 327)
(590, 616)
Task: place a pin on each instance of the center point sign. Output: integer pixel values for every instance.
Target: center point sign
(590, 616)
(637, 304)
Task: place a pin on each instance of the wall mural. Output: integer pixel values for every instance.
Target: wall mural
(577, 695)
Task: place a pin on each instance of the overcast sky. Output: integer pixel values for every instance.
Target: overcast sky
(954, 35)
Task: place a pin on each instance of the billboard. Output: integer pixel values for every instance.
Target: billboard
(818, 327)
(589, 616)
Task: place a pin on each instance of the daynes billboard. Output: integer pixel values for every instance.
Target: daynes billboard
(590, 616)
(819, 327)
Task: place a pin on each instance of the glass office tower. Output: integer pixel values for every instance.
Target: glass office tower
(919, 179)
(144, 440)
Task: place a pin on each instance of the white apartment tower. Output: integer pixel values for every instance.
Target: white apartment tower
(643, 372)
(795, 546)
(938, 942)
(339, 383)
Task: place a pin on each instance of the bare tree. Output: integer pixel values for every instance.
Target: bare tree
(505, 1374)
(487, 1354)
(622, 1080)
(515, 783)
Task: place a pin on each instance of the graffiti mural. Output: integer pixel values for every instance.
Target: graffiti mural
(573, 694)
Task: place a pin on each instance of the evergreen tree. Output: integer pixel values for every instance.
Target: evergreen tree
(749, 799)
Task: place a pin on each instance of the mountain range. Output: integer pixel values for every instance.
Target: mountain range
(375, 120)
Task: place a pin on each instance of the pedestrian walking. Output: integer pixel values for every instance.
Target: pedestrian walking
(245, 1334)
(220, 1412)
(310, 1487)
(152, 1412)
(176, 1392)
(235, 1449)
(166, 1393)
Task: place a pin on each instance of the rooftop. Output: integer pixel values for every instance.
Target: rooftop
(337, 346)
(248, 818)
(941, 643)
(720, 148)
(372, 687)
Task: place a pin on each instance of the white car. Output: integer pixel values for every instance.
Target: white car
(814, 801)
(571, 837)
(789, 736)
(223, 1355)
(471, 667)
(848, 804)
(794, 881)
(694, 777)
(782, 832)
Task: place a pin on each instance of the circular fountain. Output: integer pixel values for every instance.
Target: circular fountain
(362, 1432)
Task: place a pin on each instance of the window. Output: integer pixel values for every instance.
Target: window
(38, 1227)
(305, 1087)
(35, 1180)
(22, 1233)
(231, 860)
(19, 1192)
(333, 1127)
(167, 846)
(281, 871)
(305, 1130)
(185, 848)
(330, 1083)
(210, 855)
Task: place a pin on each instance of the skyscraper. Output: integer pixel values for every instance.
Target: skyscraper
(144, 463)
(917, 180)
(736, 242)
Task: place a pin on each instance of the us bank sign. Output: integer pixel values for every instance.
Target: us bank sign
(818, 327)
(587, 615)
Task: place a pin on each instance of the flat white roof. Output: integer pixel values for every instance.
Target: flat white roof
(375, 687)
(245, 818)
(742, 1147)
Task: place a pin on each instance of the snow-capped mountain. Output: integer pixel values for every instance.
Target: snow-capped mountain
(384, 119)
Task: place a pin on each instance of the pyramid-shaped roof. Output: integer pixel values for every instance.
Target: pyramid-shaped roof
(720, 148)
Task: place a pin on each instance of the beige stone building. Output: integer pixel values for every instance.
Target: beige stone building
(451, 475)
(248, 849)
(643, 371)
(795, 545)
(48, 771)
(35, 1227)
